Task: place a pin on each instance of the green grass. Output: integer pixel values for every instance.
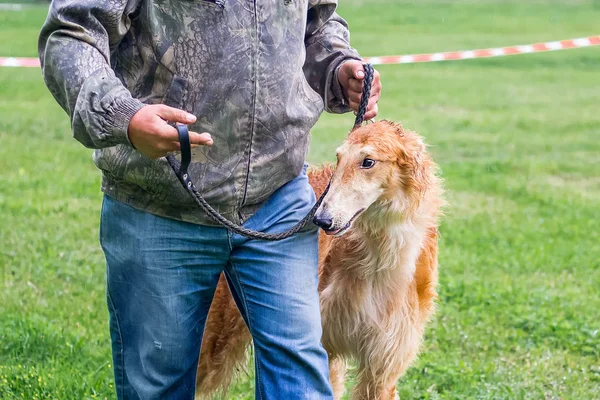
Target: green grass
(517, 139)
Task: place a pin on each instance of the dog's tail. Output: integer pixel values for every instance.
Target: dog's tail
(226, 339)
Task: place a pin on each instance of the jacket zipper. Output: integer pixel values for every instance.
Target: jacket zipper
(255, 73)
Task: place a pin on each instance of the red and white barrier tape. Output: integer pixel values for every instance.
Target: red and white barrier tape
(484, 53)
(19, 62)
(416, 58)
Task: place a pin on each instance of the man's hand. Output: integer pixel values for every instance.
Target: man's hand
(351, 76)
(152, 136)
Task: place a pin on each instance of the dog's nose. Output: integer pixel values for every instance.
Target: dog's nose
(323, 221)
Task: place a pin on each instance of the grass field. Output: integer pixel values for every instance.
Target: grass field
(518, 141)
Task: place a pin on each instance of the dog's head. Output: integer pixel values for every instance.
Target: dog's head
(379, 166)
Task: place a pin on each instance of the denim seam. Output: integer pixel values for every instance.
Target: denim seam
(243, 298)
(229, 235)
(122, 355)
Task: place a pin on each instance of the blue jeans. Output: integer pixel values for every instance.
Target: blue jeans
(161, 277)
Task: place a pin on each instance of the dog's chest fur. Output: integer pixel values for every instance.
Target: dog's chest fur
(367, 291)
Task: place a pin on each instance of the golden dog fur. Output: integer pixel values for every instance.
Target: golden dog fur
(377, 267)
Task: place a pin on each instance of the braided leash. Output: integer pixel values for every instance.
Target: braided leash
(181, 171)
(366, 95)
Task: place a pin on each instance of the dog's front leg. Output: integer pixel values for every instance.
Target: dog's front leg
(377, 384)
(337, 376)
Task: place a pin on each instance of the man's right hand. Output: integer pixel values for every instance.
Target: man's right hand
(152, 136)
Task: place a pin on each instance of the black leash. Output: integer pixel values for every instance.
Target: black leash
(181, 171)
(366, 95)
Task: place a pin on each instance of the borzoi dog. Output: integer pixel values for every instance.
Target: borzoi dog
(377, 265)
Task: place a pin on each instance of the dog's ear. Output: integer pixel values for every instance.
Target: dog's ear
(422, 169)
(415, 161)
(396, 126)
(399, 128)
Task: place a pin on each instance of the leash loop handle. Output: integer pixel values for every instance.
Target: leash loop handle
(181, 171)
(186, 149)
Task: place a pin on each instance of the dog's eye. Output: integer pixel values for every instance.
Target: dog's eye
(367, 163)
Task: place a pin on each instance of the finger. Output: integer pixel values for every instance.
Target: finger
(343, 75)
(203, 139)
(375, 96)
(376, 77)
(370, 106)
(372, 113)
(167, 147)
(376, 88)
(167, 133)
(355, 85)
(347, 70)
(354, 97)
(175, 115)
(192, 146)
(357, 71)
(372, 103)
(196, 140)
(157, 154)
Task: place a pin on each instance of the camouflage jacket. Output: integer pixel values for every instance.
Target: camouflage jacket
(256, 73)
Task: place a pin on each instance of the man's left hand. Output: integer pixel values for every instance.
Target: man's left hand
(351, 76)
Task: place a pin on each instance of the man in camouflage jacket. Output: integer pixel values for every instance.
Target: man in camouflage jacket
(254, 76)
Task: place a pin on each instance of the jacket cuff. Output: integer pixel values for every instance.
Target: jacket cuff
(335, 100)
(336, 87)
(118, 117)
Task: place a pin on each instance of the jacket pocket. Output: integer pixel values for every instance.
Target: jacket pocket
(175, 92)
(310, 93)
